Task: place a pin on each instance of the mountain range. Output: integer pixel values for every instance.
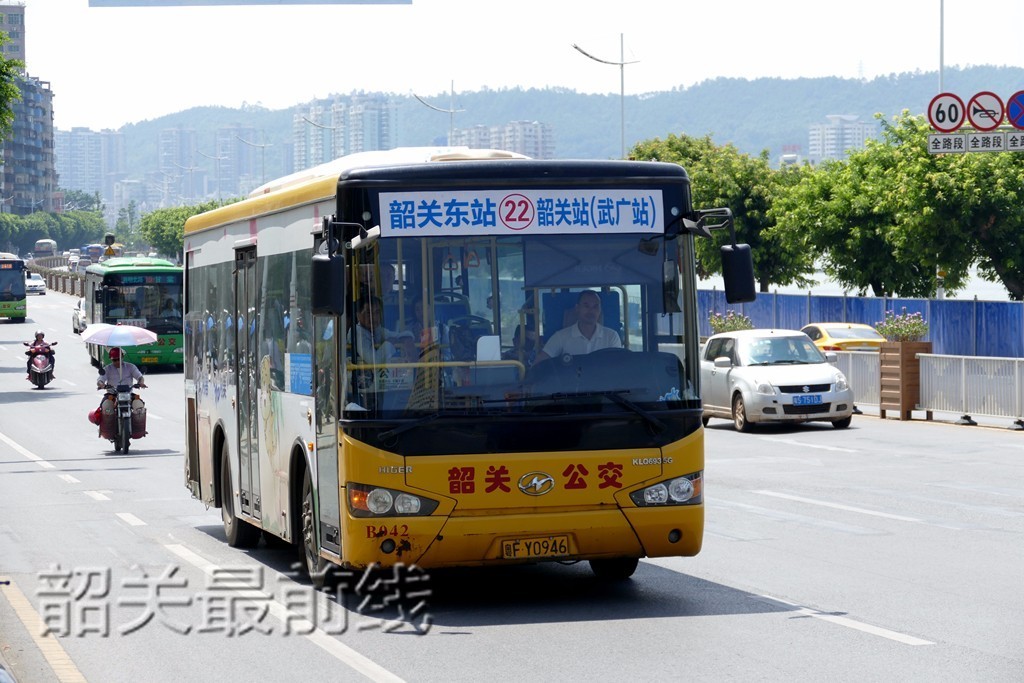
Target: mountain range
(753, 115)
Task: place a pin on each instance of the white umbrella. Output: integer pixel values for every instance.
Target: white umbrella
(117, 335)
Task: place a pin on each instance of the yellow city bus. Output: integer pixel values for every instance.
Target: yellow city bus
(360, 379)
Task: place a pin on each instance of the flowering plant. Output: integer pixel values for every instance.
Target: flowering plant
(730, 322)
(903, 327)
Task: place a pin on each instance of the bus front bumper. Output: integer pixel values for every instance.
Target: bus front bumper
(479, 540)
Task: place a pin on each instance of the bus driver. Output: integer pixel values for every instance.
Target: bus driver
(585, 335)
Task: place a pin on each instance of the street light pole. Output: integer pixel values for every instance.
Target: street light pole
(263, 154)
(451, 111)
(622, 84)
(216, 169)
(942, 38)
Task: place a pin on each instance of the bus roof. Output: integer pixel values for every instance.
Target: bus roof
(130, 263)
(321, 182)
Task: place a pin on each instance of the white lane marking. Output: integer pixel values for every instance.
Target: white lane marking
(152, 416)
(798, 519)
(840, 506)
(130, 519)
(805, 444)
(69, 479)
(48, 645)
(329, 644)
(852, 623)
(25, 452)
(96, 495)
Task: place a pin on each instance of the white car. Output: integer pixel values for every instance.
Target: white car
(35, 284)
(757, 376)
(78, 322)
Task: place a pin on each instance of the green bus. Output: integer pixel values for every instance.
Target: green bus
(13, 303)
(146, 292)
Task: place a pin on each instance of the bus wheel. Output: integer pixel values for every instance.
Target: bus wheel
(240, 534)
(617, 568)
(318, 569)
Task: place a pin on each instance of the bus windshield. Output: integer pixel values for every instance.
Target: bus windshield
(152, 301)
(505, 324)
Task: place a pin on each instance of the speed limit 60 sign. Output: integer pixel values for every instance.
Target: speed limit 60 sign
(946, 112)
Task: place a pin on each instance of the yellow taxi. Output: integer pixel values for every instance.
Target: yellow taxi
(843, 336)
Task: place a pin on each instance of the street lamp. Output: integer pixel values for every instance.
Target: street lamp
(263, 150)
(622, 83)
(451, 111)
(216, 169)
(190, 169)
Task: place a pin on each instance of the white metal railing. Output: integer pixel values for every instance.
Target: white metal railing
(969, 385)
(862, 371)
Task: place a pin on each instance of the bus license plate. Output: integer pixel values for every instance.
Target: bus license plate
(149, 359)
(529, 548)
(808, 400)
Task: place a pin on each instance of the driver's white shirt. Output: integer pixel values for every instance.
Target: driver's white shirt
(569, 340)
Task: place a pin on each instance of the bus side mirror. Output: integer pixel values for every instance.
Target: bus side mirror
(738, 273)
(328, 290)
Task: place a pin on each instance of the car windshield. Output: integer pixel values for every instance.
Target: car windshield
(846, 332)
(779, 351)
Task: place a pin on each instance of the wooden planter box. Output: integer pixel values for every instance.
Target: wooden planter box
(900, 376)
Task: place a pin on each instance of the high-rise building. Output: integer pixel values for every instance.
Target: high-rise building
(531, 138)
(842, 133)
(176, 156)
(12, 22)
(89, 161)
(322, 132)
(28, 179)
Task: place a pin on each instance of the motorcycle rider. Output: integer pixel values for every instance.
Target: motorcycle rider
(118, 371)
(39, 345)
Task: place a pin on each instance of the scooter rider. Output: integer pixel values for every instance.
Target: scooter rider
(118, 371)
(39, 345)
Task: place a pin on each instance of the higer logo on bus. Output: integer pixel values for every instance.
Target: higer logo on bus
(536, 483)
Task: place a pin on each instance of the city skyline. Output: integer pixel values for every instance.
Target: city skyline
(273, 56)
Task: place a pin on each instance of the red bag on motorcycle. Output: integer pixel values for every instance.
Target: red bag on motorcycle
(108, 418)
(95, 416)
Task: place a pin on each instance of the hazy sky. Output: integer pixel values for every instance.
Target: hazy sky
(111, 66)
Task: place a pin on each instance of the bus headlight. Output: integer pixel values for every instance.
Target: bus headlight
(685, 490)
(377, 501)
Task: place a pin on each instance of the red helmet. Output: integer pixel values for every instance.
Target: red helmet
(115, 353)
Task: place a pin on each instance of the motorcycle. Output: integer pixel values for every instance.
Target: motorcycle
(121, 415)
(40, 368)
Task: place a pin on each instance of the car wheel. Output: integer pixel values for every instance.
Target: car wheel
(739, 415)
(843, 423)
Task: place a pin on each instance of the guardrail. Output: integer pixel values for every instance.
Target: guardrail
(974, 386)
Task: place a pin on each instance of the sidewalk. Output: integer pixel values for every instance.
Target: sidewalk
(871, 410)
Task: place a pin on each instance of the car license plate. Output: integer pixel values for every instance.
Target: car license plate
(149, 359)
(529, 548)
(807, 400)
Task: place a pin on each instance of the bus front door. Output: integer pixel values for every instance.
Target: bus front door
(246, 349)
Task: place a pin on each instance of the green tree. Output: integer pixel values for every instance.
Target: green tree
(723, 177)
(10, 71)
(164, 229)
(78, 200)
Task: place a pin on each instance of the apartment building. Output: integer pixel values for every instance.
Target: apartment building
(842, 133)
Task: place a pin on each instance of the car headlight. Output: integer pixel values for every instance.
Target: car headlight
(685, 490)
(841, 383)
(377, 501)
(764, 388)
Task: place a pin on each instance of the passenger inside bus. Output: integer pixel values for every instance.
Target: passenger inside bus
(585, 335)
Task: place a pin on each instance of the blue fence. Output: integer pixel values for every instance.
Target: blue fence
(955, 327)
